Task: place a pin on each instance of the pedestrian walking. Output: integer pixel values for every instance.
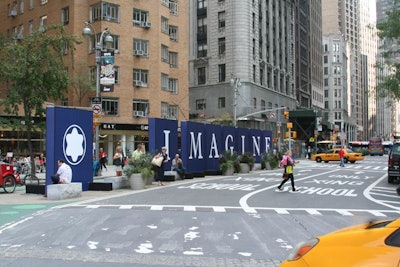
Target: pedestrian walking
(287, 163)
(341, 156)
(103, 159)
(309, 152)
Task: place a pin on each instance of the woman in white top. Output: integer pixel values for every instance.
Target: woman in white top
(118, 160)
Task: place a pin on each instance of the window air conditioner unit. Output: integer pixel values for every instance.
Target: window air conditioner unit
(138, 83)
(19, 36)
(138, 52)
(146, 24)
(138, 113)
(13, 13)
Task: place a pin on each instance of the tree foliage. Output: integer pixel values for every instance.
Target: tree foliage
(389, 67)
(33, 73)
(81, 84)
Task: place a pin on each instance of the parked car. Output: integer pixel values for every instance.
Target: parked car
(370, 244)
(333, 155)
(394, 163)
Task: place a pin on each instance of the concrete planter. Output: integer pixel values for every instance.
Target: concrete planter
(244, 168)
(229, 171)
(136, 181)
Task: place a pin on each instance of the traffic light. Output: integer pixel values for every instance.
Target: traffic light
(278, 132)
(286, 115)
(286, 134)
(294, 134)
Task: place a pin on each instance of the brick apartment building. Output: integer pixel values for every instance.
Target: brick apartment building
(150, 44)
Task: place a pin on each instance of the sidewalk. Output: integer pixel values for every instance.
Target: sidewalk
(20, 197)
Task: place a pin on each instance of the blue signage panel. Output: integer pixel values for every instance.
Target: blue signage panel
(163, 132)
(69, 137)
(202, 144)
(214, 146)
(243, 141)
(193, 146)
(229, 139)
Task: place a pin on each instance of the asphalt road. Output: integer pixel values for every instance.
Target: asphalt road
(241, 220)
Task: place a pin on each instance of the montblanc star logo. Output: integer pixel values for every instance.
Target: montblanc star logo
(74, 144)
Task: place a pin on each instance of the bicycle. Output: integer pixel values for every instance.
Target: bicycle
(23, 175)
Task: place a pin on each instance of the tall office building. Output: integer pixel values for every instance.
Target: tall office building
(242, 61)
(316, 55)
(150, 44)
(308, 40)
(373, 123)
(342, 18)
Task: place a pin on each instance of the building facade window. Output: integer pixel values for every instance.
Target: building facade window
(202, 26)
(221, 73)
(110, 106)
(221, 46)
(104, 11)
(173, 33)
(140, 107)
(164, 25)
(201, 75)
(200, 104)
(43, 23)
(221, 20)
(202, 49)
(201, 4)
(173, 112)
(173, 7)
(164, 53)
(140, 17)
(116, 74)
(173, 59)
(30, 27)
(65, 15)
(164, 82)
(140, 47)
(140, 77)
(22, 6)
(173, 85)
(221, 102)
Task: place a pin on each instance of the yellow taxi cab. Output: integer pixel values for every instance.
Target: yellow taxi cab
(370, 244)
(333, 155)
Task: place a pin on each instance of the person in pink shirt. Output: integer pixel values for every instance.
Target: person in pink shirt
(287, 163)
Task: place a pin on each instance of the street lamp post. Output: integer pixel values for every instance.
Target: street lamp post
(235, 83)
(107, 39)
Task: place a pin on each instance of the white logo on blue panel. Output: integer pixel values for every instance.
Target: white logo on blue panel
(74, 144)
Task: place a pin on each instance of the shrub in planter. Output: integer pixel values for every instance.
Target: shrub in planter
(140, 165)
(271, 159)
(248, 158)
(229, 159)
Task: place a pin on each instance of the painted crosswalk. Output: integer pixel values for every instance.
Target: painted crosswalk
(253, 210)
(351, 166)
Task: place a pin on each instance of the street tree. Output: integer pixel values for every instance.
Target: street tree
(389, 66)
(81, 85)
(33, 72)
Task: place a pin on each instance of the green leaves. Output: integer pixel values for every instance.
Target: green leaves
(33, 73)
